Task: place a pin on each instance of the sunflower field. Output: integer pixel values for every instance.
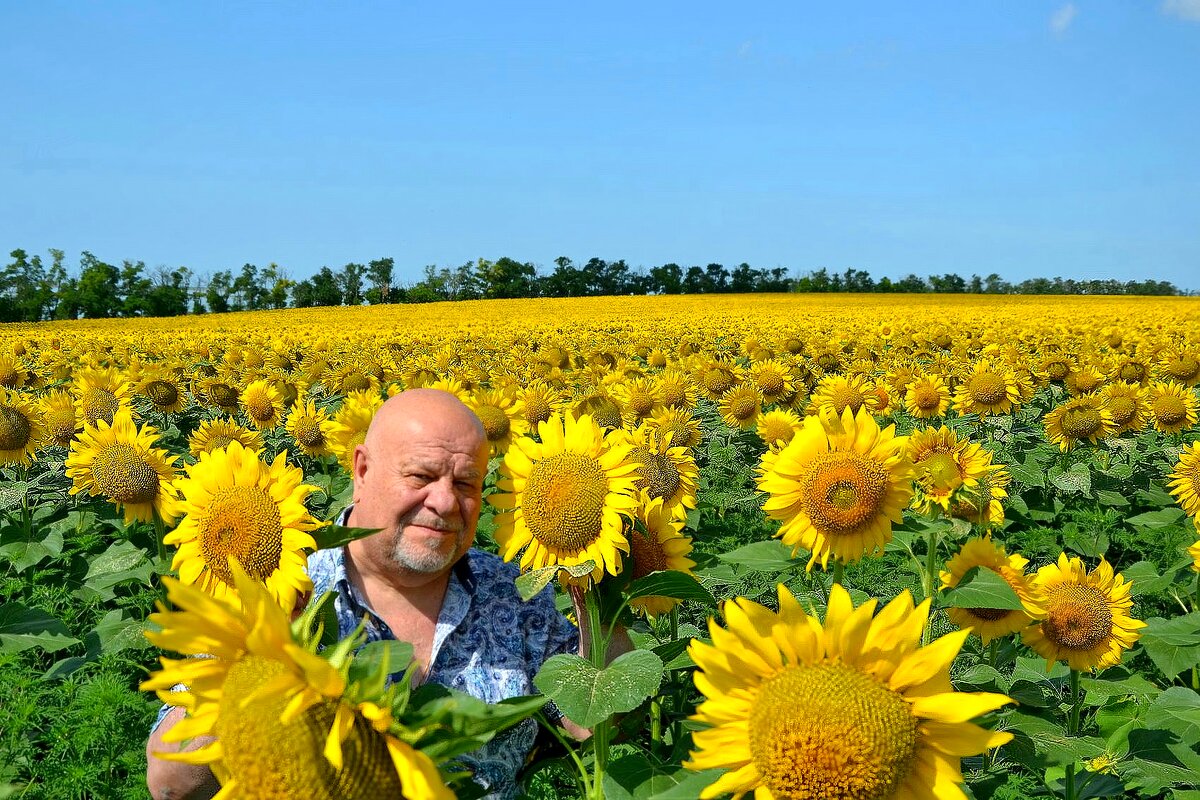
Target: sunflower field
(863, 547)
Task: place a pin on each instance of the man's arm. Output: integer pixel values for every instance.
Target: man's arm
(171, 780)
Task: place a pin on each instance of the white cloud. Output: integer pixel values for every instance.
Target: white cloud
(1062, 19)
(1184, 9)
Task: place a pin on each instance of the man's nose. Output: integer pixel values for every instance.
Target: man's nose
(440, 497)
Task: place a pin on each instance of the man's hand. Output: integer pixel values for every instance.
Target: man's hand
(171, 780)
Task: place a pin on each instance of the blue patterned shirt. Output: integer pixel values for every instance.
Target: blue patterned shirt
(487, 643)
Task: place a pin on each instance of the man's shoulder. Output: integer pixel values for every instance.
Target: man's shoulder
(492, 573)
(326, 568)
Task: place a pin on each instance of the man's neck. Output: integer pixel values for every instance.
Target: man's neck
(392, 583)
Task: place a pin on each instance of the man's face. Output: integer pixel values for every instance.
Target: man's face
(422, 487)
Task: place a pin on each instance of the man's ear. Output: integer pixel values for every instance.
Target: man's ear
(360, 463)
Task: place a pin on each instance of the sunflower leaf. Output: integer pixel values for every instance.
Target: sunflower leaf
(530, 584)
(22, 628)
(1177, 709)
(670, 583)
(587, 695)
(982, 588)
(331, 536)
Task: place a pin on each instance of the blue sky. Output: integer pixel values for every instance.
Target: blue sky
(1030, 138)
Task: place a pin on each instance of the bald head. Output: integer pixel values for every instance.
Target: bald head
(416, 408)
(418, 477)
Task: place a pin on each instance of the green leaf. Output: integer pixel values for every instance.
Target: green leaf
(1157, 519)
(670, 583)
(1146, 577)
(689, 785)
(1156, 760)
(1111, 498)
(982, 588)
(1173, 645)
(1076, 480)
(372, 657)
(634, 777)
(11, 494)
(23, 555)
(530, 584)
(119, 557)
(1029, 473)
(330, 536)
(23, 628)
(588, 696)
(115, 632)
(1177, 709)
(770, 556)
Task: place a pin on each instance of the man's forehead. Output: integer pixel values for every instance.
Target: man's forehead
(435, 456)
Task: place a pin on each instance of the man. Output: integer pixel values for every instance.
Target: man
(418, 478)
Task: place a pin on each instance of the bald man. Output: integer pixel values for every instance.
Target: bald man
(418, 478)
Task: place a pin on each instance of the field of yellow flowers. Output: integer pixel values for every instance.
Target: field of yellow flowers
(864, 546)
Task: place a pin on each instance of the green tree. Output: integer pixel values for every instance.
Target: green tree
(326, 288)
(506, 277)
(667, 279)
(97, 290)
(277, 286)
(216, 296)
(379, 272)
(350, 281)
(134, 289)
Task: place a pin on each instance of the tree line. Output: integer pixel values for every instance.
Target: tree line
(32, 290)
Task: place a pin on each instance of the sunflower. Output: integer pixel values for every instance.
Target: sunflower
(601, 406)
(215, 434)
(838, 392)
(838, 487)
(12, 372)
(564, 499)
(1179, 366)
(773, 379)
(263, 404)
(22, 428)
(1194, 552)
(100, 394)
(58, 412)
(944, 466)
(666, 472)
(349, 428)
(539, 401)
(716, 377)
(1172, 407)
(220, 392)
(120, 463)
(1126, 404)
(741, 406)
(163, 390)
(1184, 482)
(310, 731)
(1082, 417)
(777, 427)
(676, 390)
(662, 545)
(983, 504)
(1085, 380)
(682, 424)
(310, 426)
(1130, 369)
(852, 709)
(1082, 618)
(235, 506)
(990, 623)
(639, 399)
(927, 396)
(503, 418)
(352, 377)
(1057, 366)
(989, 389)
(454, 386)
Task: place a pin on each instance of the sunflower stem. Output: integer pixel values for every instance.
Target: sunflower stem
(160, 533)
(930, 567)
(1073, 730)
(838, 570)
(601, 732)
(584, 778)
(993, 653)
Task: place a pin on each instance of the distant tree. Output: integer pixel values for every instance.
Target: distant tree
(134, 289)
(168, 292)
(994, 284)
(276, 286)
(303, 294)
(716, 278)
(350, 281)
(667, 279)
(912, 284)
(327, 290)
(97, 290)
(216, 296)
(976, 285)
(379, 273)
(567, 280)
(248, 289)
(506, 277)
(743, 279)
